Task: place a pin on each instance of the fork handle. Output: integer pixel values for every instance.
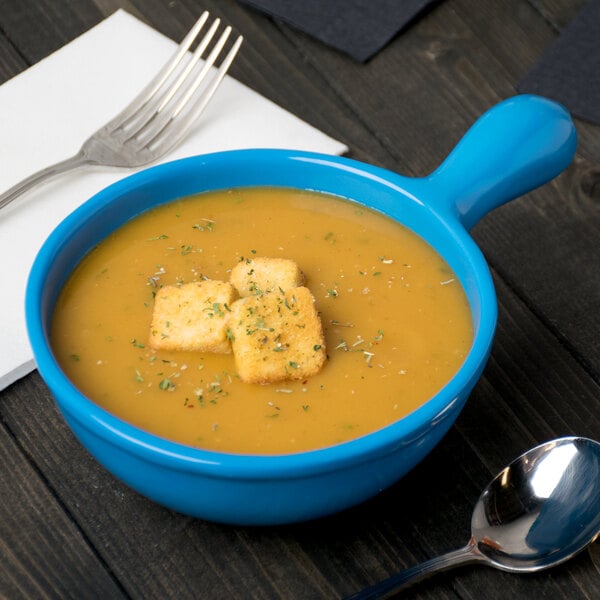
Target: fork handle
(30, 182)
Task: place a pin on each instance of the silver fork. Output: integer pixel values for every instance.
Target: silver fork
(158, 117)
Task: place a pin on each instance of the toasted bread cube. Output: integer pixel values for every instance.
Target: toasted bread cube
(277, 336)
(262, 275)
(192, 317)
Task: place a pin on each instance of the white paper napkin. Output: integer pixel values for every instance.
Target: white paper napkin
(47, 111)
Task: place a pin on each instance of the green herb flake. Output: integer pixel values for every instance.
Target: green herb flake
(216, 306)
(166, 384)
(206, 225)
(341, 323)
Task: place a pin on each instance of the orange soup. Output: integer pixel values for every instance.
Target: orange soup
(395, 320)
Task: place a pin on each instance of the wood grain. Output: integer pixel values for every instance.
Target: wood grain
(69, 529)
(45, 555)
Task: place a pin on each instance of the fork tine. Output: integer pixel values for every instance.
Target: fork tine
(210, 61)
(163, 93)
(152, 128)
(177, 126)
(191, 63)
(159, 79)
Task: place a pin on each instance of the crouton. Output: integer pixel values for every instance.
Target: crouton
(276, 336)
(263, 275)
(192, 317)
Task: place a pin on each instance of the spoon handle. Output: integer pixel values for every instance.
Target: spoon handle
(403, 579)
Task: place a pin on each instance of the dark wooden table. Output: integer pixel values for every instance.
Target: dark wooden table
(68, 529)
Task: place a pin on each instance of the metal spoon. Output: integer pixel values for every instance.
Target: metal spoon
(539, 511)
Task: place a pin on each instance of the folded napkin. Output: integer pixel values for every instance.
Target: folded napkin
(569, 71)
(47, 111)
(359, 28)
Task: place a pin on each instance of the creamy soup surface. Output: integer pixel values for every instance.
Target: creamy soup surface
(396, 321)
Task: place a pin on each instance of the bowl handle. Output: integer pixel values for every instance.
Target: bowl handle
(516, 146)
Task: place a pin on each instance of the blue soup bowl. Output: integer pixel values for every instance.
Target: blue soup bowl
(518, 145)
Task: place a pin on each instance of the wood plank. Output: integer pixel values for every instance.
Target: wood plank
(544, 246)
(558, 13)
(404, 112)
(39, 28)
(11, 63)
(42, 552)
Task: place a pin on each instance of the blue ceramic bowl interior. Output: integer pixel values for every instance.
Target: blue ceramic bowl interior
(266, 490)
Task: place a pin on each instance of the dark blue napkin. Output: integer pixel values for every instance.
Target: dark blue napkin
(569, 71)
(359, 28)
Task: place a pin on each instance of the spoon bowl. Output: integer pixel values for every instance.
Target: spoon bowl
(539, 511)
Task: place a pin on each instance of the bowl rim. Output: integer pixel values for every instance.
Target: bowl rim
(74, 405)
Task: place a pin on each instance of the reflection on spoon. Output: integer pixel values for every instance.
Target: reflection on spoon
(539, 511)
